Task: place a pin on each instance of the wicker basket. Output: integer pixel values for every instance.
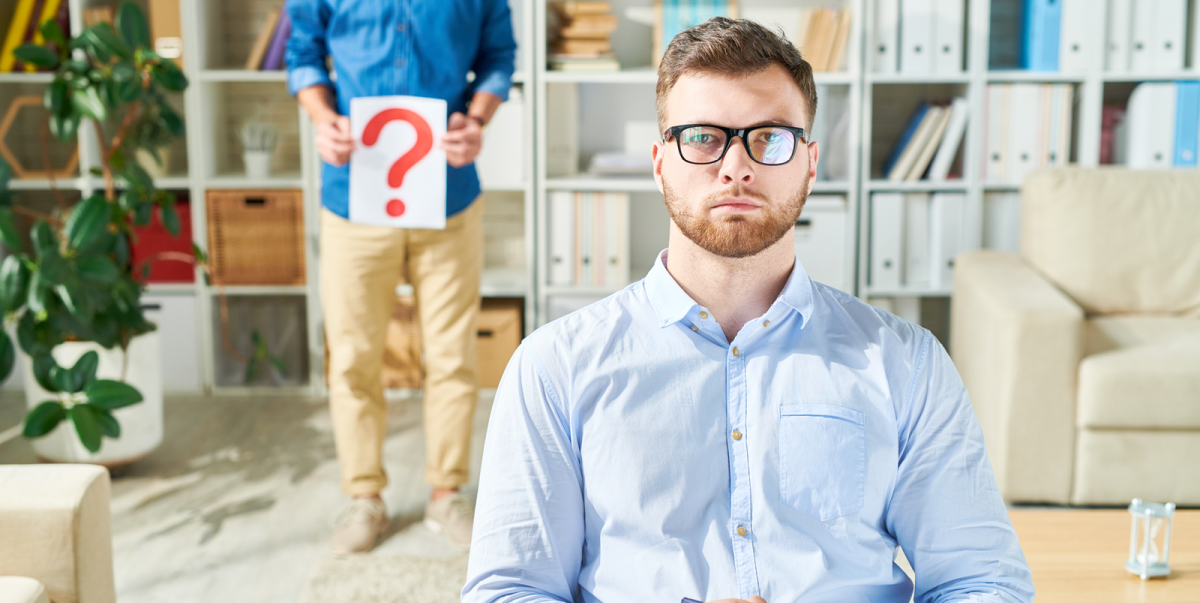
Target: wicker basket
(256, 237)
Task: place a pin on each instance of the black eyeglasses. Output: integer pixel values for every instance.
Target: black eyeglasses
(702, 144)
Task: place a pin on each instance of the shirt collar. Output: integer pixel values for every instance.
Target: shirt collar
(672, 304)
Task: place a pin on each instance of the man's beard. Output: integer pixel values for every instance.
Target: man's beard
(735, 235)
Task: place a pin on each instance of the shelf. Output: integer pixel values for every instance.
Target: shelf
(909, 78)
(170, 288)
(242, 75)
(242, 182)
(585, 182)
(259, 290)
(1151, 77)
(916, 187)
(1046, 77)
(821, 187)
(503, 282)
(906, 292)
(38, 184)
(580, 290)
(834, 78)
(1001, 186)
(636, 75)
(26, 78)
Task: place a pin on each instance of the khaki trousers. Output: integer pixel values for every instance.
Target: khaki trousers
(360, 267)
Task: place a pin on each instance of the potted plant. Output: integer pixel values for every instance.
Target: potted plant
(73, 292)
(258, 143)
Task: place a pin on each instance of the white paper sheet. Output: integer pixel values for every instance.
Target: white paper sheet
(397, 169)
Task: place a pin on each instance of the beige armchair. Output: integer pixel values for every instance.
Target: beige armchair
(1082, 354)
(55, 534)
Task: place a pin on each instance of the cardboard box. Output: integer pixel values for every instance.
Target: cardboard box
(402, 367)
(499, 335)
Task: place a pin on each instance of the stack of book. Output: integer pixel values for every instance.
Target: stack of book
(822, 37)
(589, 239)
(930, 140)
(582, 41)
(1026, 127)
(27, 17)
(267, 52)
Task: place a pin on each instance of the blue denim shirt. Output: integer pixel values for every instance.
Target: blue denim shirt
(411, 47)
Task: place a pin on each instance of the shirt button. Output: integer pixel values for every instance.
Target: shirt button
(736, 352)
(400, 63)
(400, 27)
(741, 531)
(766, 323)
(695, 329)
(737, 435)
(704, 315)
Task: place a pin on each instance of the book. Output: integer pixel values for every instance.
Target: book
(274, 58)
(1187, 123)
(16, 34)
(574, 8)
(939, 170)
(918, 141)
(583, 47)
(589, 27)
(1004, 40)
(254, 61)
(92, 16)
(1041, 35)
(1110, 116)
(910, 128)
(31, 35)
(166, 29)
(559, 62)
(840, 39)
(819, 40)
(921, 164)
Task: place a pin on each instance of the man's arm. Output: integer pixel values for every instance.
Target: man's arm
(308, 79)
(528, 536)
(946, 511)
(493, 67)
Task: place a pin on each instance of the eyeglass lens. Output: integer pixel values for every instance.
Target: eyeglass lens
(769, 145)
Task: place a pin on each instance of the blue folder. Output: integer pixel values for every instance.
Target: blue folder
(1043, 26)
(1187, 123)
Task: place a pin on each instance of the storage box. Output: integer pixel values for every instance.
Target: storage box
(821, 240)
(402, 367)
(154, 238)
(499, 335)
(256, 237)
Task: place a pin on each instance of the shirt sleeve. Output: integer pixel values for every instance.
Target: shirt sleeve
(527, 541)
(946, 511)
(306, 50)
(494, 64)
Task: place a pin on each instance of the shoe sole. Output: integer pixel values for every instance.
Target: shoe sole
(437, 528)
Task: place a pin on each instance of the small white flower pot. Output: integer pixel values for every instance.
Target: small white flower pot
(258, 164)
(141, 423)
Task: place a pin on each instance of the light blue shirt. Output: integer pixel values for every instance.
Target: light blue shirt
(634, 455)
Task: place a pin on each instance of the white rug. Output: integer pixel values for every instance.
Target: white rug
(390, 579)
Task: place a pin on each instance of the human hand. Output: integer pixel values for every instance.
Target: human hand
(462, 141)
(334, 140)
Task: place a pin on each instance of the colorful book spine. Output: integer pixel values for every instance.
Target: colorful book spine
(16, 34)
(283, 30)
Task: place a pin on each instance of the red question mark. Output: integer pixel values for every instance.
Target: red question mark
(419, 150)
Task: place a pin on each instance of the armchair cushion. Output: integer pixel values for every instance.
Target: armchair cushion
(1144, 373)
(1116, 241)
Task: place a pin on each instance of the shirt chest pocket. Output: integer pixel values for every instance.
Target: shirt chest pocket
(822, 459)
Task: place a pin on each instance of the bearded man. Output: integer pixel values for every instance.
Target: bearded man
(726, 427)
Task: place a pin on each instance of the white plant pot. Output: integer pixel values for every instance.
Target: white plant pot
(141, 423)
(258, 164)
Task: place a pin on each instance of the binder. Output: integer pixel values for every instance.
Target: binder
(562, 238)
(1075, 36)
(916, 37)
(916, 240)
(945, 236)
(1187, 123)
(1143, 20)
(583, 239)
(995, 114)
(913, 149)
(1042, 27)
(1064, 108)
(820, 240)
(885, 54)
(1120, 30)
(1025, 117)
(948, 36)
(1151, 131)
(1170, 34)
(921, 165)
(598, 249)
(1002, 221)
(948, 148)
(887, 240)
(1004, 47)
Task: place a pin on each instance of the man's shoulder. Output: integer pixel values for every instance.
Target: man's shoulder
(591, 327)
(847, 314)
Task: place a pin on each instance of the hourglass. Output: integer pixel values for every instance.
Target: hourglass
(1152, 517)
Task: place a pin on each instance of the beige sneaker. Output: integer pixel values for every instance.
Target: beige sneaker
(359, 526)
(453, 517)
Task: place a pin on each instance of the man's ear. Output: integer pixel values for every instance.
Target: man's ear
(657, 152)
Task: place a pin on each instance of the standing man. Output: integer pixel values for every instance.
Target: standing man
(418, 48)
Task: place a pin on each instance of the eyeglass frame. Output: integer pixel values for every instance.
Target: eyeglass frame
(730, 133)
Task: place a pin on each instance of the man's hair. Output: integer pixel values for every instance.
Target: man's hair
(734, 48)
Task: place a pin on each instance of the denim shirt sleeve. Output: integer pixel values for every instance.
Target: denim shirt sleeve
(946, 511)
(306, 49)
(494, 63)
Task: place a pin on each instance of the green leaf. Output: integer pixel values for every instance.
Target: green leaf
(61, 377)
(170, 218)
(129, 199)
(54, 270)
(121, 249)
(168, 75)
(105, 330)
(57, 97)
(43, 238)
(64, 128)
(87, 222)
(43, 419)
(84, 371)
(104, 39)
(108, 423)
(14, 277)
(53, 33)
(171, 121)
(132, 24)
(279, 363)
(141, 215)
(94, 268)
(38, 297)
(137, 175)
(36, 55)
(8, 230)
(251, 370)
(116, 160)
(127, 91)
(201, 257)
(89, 102)
(8, 355)
(5, 173)
(86, 426)
(77, 301)
(111, 395)
(44, 367)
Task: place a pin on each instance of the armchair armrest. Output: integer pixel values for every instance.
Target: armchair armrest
(55, 527)
(1017, 340)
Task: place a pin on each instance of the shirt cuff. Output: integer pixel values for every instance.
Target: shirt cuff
(304, 76)
(496, 82)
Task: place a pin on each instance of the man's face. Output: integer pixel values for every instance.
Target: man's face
(735, 207)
